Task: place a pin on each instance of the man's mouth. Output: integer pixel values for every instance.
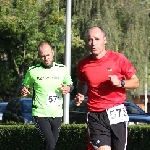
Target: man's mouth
(93, 49)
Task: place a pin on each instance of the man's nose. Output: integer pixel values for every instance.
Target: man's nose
(46, 57)
(93, 42)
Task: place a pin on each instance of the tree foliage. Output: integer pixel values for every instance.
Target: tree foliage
(127, 26)
(23, 24)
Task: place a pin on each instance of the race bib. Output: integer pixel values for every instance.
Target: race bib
(54, 99)
(117, 114)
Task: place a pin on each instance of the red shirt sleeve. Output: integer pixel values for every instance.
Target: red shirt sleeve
(127, 68)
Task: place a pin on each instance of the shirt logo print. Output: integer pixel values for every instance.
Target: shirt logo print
(42, 78)
(55, 78)
(109, 69)
(45, 78)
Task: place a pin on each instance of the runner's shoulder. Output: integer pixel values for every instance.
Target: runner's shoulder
(34, 67)
(84, 61)
(59, 65)
(116, 54)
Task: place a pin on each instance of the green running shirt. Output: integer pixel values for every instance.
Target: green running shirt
(46, 83)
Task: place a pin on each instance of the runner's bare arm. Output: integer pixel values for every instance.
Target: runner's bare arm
(132, 83)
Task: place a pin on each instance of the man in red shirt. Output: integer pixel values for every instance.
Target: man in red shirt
(104, 75)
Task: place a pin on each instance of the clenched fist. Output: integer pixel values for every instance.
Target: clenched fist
(78, 99)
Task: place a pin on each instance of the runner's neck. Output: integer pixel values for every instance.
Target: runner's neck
(47, 67)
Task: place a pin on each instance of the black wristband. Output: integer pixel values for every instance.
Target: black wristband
(122, 83)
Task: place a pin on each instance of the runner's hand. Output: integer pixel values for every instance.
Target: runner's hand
(65, 88)
(78, 99)
(115, 81)
(25, 91)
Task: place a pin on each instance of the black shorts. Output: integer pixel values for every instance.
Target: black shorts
(101, 133)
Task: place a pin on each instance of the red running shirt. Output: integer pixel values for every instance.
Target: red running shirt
(101, 93)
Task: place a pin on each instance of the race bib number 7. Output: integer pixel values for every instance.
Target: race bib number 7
(117, 114)
(54, 99)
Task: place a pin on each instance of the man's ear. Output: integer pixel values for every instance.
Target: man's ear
(105, 40)
(53, 52)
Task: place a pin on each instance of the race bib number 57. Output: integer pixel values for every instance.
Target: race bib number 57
(54, 99)
(117, 114)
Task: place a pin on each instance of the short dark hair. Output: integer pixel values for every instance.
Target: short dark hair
(102, 30)
(98, 28)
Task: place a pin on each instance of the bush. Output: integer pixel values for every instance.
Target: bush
(72, 137)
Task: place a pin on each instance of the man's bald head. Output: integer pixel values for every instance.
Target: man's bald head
(97, 29)
(45, 53)
(43, 44)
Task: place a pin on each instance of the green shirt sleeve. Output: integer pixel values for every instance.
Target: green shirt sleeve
(67, 79)
(28, 80)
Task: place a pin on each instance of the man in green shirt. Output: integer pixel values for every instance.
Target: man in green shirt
(50, 81)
